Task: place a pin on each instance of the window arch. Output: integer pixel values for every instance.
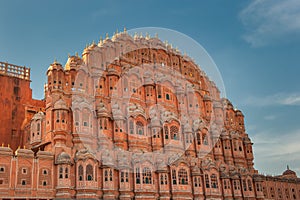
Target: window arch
(174, 132)
(139, 128)
(80, 173)
(183, 176)
(147, 176)
(89, 172)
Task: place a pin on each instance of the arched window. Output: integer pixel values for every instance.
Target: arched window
(89, 172)
(61, 171)
(205, 139)
(214, 181)
(147, 176)
(249, 185)
(167, 96)
(110, 175)
(124, 176)
(38, 126)
(86, 118)
(207, 185)
(139, 128)
(131, 127)
(80, 173)
(66, 172)
(76, 118)
(198, 138)
(174, 132)
(166, 132)
(137, 176)
(174, 177)
(183, 177)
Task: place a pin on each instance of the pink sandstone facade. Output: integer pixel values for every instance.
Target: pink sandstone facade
(114, 125)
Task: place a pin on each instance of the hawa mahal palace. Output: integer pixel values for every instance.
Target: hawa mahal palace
(131, 118)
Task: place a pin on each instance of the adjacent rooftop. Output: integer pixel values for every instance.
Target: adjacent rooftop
(8, 69)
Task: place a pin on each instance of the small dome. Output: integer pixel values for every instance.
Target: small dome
(63, 158)
(38, 115)
(73, 62)
(289, 172)
(155, 122)
(101, 110)
(55, 66)
(61, 105)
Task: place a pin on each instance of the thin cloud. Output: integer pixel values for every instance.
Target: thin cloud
(285, 99)
(277, 149)
(270, 21)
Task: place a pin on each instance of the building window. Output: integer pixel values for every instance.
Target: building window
(174, 132)
(174, 178)
(147, 176)
(139, 128)
(131, 127)
(61, 170)
(167, 96)
(207, 185)
(45, 171)
(137, 176)
(23, 182)
(183, 177)
(89, 172)
(1, 181)
(166, 132)
(244, 185)
(44, 183)
(124, 177)
(249, 185)
(66, 172)
(24, 171)
(204, 139)
(198, 138)
(214, 181)
(80, 173)
(2, 169)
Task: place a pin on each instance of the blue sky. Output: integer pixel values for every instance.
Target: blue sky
(255, 45)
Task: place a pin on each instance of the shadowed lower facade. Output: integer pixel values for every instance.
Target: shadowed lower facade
(132, 118)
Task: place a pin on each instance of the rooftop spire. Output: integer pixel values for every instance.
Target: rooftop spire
(287, 167)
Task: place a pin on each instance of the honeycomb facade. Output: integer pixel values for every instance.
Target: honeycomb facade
(132, 119)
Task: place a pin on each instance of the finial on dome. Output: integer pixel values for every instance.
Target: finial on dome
(106, 37)
(117, 32)
(287, 167)
(93, 43)
(141, 35)
(156, 35)
(125, 30)
(76, 54)
(69, 55)
(55, 60)
(147, 35)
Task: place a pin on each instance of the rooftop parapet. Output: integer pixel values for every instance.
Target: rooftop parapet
(8, 69)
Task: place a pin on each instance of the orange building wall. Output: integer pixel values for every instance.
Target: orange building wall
(16, 105)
